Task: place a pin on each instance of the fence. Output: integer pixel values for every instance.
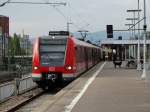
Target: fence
(6, 90)
(18, 86)
(26, 84)
(25, 68)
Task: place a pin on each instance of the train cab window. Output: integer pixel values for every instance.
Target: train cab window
(52, 52)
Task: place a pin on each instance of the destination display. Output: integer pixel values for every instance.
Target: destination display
(58, 33)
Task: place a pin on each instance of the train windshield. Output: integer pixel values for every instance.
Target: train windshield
(52, 52)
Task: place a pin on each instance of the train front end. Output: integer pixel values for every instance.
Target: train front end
(53, 60)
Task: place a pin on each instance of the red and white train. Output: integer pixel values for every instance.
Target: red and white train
(61, 57)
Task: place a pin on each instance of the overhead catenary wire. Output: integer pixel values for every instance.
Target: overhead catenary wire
(4, 3)
(78, 15)
(136, 23)
(46, 1)
(55, 3)
(66, 18)
(83, 20)
(78, 26)
(61, 13)
(72, 22)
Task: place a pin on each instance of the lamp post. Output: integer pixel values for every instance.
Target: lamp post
(138, 55)
(144, 46)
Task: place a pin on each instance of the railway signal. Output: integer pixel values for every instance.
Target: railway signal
(109, 29)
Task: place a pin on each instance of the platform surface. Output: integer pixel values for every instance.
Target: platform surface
(116, 90)
(113, 90)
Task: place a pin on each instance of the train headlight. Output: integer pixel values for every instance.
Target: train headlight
(69, 67)
(36, 68)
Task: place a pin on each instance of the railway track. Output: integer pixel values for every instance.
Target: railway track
(39, 100)
(30, 98)
(47, 99)
(16, 102)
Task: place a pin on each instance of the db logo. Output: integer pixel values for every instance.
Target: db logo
(51, 68)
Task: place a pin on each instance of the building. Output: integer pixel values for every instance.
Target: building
(26, 45)
(4, 36)
(125, 48)
(0, 46)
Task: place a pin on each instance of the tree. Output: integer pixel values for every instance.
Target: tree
(148, 35)
(14, 45)
(11, 47)
(17, 48)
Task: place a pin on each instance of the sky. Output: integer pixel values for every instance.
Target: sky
(91, 15)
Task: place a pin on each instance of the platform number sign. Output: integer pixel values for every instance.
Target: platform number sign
(109, 29)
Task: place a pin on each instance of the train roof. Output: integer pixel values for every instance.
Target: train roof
(82, 43)
(76, 41)
(54, 37)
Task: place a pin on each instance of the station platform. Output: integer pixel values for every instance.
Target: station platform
(112, 90)
(116, 90)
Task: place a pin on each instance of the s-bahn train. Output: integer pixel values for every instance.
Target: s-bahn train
(60, 57)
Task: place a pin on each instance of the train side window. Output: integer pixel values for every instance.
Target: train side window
(78, 53)
(76, 48)
(83, 55)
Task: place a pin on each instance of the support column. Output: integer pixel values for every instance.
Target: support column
(125, 52)
(129, 51)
